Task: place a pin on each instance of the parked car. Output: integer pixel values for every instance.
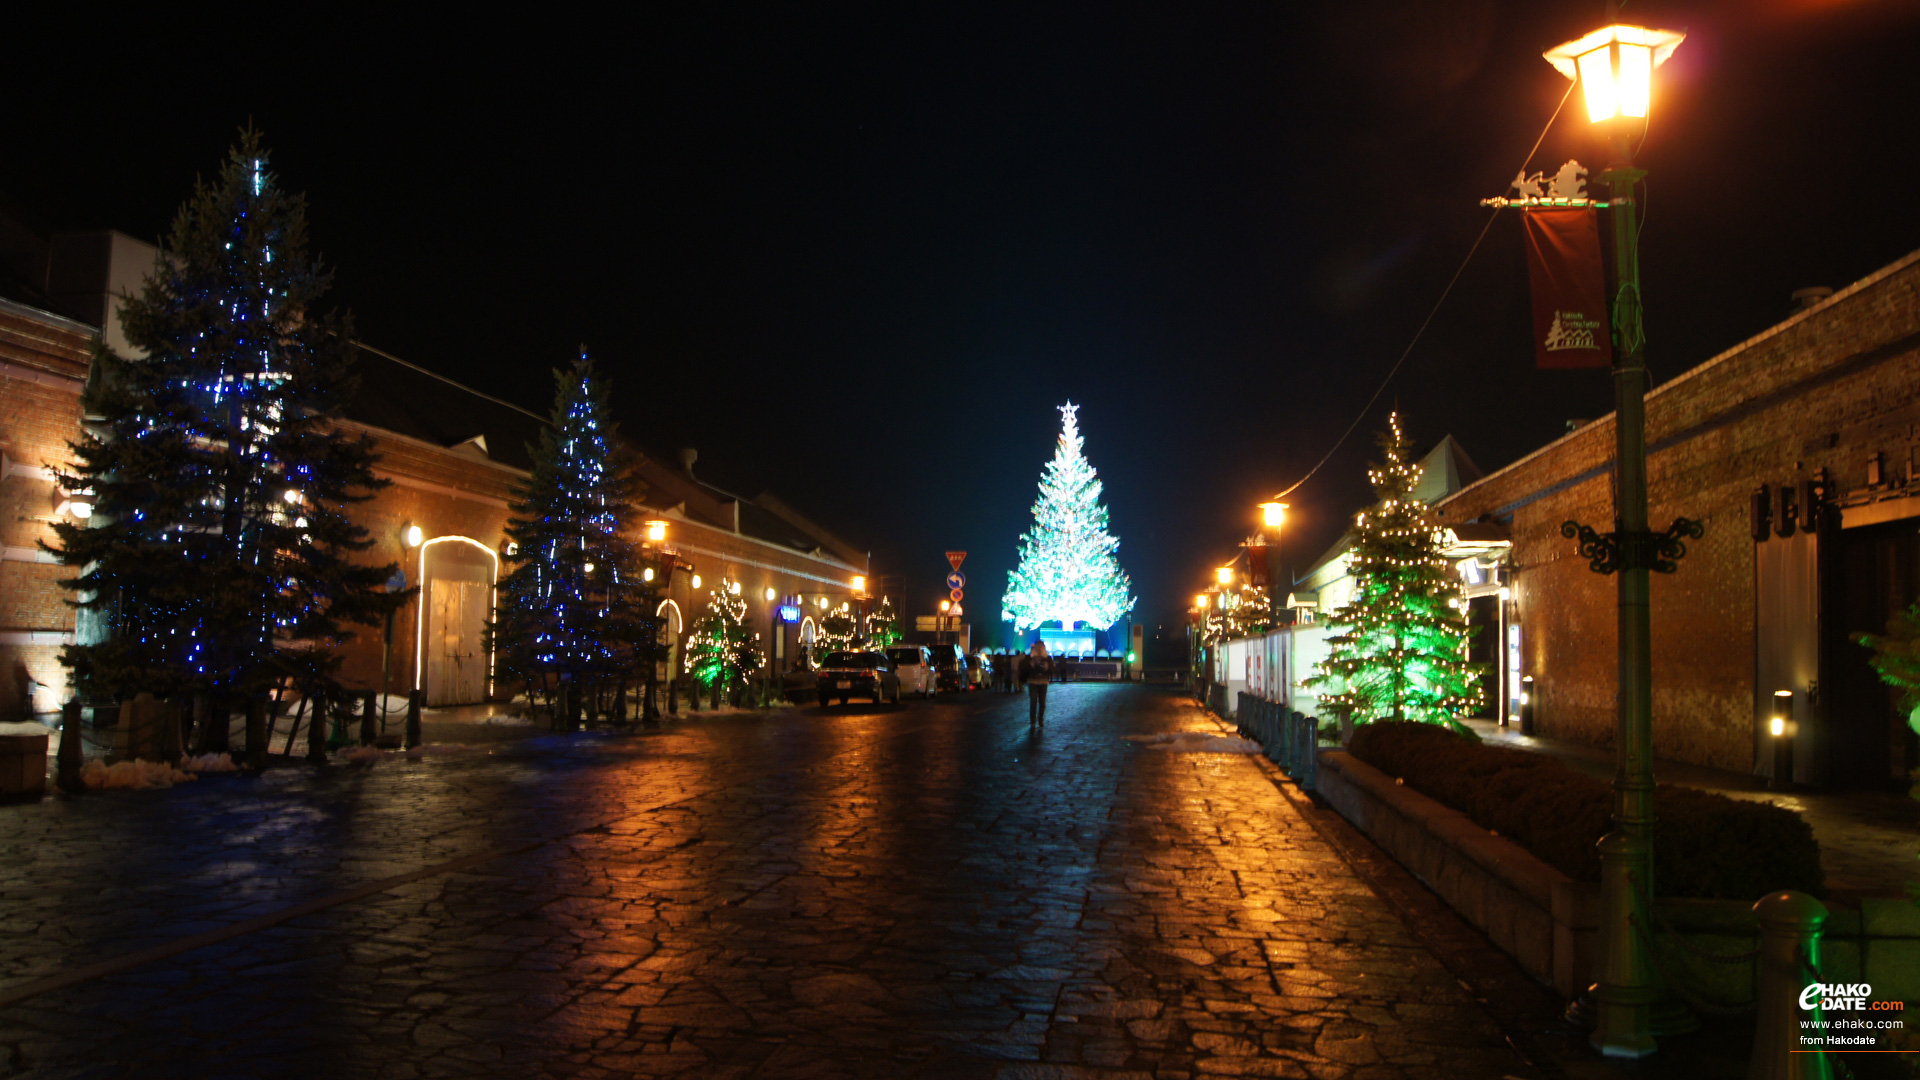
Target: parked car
(979, 671)
(952, 667)
(913, 667)
(845, 675)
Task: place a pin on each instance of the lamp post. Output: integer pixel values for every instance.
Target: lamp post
(1273, 515)
(1614, 68)
(656, 575)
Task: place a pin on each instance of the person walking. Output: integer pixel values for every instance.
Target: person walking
(1037, 672)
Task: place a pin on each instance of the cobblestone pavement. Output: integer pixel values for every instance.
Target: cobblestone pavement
(927, 891)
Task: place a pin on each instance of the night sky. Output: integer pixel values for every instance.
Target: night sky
(857, 257)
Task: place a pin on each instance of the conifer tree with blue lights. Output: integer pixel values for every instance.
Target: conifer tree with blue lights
(572, 607)
(1399, 653)
(219, 556)
(1069, 571)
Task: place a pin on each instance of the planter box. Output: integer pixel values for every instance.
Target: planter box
(23, 766)
(1535, 913)
(1550, 923)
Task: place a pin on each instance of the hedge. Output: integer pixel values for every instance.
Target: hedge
(1706, 846)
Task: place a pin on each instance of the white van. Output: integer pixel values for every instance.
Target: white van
(914, 664)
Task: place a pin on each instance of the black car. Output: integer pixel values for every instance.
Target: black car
(845, 675)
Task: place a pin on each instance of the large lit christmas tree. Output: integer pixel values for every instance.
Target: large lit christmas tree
(572, 607)
(1068, 570)
(218, 557)
(1400, 650)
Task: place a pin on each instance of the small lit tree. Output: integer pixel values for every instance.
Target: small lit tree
(835, 630)
(1896, 657)
(1247, 612)
(883, 625)
(1400, 650)
(720, 653)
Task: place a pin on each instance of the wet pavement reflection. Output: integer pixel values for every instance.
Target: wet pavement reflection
(927, 890)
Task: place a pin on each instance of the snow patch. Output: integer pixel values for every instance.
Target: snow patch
(135, 774)
(209, 763)
(1194, 742)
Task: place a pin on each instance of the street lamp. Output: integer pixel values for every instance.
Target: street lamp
(1272, 516)
(1614, 68)
(1223, 575)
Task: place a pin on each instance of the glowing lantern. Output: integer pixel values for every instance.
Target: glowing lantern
(1614, 67)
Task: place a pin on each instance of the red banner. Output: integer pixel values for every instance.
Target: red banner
(1569, 289)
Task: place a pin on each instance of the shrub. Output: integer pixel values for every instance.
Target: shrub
(1707, 846)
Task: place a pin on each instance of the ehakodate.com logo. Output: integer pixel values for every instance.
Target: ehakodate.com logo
(1845, 997)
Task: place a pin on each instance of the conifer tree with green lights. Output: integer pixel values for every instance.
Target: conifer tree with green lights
(219, 556)
(572, 607)
(1399, 651)
(883, 625)
(720, 653)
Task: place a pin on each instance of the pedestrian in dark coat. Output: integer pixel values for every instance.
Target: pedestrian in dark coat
(1036, 671)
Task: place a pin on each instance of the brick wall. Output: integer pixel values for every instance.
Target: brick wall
(1825, 389)
(450, 493)
(43, 366)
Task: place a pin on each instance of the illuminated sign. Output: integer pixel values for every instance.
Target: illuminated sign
(789, 613)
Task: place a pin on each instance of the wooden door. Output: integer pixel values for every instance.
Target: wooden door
(456, 657)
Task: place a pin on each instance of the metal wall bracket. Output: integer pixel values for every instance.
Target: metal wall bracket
(1612, 552)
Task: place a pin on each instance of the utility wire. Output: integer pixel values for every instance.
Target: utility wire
(1417, 334)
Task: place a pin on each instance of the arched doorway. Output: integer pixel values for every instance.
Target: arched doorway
(451, 661)
(670, 628)
(809, 633)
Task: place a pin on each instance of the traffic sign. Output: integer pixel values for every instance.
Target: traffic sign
(954, 613)
(956, 594)
(956, 580)
(956, 558)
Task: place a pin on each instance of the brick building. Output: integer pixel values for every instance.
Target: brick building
(43, 366)
(1797, 449)
(452, 456)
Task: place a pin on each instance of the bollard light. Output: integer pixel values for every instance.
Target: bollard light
(1526, 705)
(1778, 726)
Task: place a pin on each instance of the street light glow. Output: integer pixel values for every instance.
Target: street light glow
(1614, 67)
(1273, 514)
(656, 531)
(1224, 575)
